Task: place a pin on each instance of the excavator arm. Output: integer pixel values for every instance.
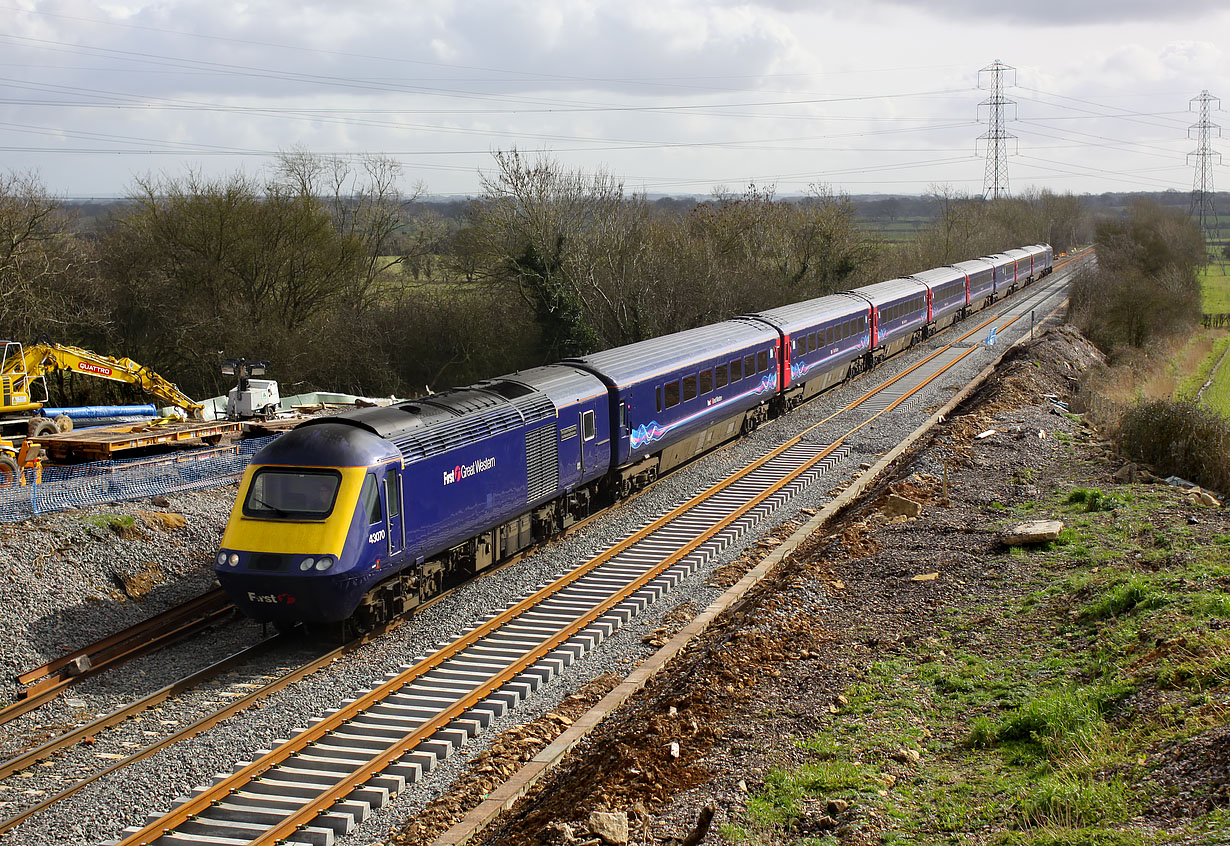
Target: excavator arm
(41, 359)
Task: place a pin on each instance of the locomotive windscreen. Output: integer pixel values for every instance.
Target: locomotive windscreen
(278, 493)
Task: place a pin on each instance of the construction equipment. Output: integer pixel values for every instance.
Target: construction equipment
(23, 369)
(251, 398)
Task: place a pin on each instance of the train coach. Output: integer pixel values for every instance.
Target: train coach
(823, 341)
(356, 518)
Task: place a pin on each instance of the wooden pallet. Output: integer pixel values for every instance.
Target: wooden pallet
(104, 441)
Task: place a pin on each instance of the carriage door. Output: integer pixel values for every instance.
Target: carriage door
(589, 431)
(392, 499)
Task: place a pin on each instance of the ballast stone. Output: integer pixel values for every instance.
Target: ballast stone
(610, 827)
(1034, 531)
(900, 506)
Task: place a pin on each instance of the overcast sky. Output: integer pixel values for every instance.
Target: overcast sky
(671, 96)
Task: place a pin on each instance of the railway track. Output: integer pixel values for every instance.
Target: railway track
(44, 683)
(325, 780)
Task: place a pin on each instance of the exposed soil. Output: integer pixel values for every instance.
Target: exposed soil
(706, 732)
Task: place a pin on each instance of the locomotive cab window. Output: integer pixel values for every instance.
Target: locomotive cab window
(720, 376)
(369, 500)
(689, 388)
(283, 494)
(588, 429)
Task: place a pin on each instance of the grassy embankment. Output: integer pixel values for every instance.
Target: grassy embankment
(1215, 289)
(1073, 724)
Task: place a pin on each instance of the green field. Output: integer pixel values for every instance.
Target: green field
(899, 231)
(1215, 286)
(1217, 397)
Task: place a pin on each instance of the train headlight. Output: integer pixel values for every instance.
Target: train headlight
(221, 559)
(324, 563)
(233, 559)
(307, 564)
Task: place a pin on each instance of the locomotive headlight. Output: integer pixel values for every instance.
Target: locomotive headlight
(221, 559)
(233, 559)
(307, 564)
(324, 563)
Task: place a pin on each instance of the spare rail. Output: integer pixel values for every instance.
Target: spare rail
(45, 682)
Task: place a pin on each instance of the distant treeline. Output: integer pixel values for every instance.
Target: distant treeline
(346, 282)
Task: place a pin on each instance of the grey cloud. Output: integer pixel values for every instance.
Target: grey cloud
(1037, 13)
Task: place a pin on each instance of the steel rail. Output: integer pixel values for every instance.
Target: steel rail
(398, 748)
(210, 720)
(205, 723)
(54, 677)
(74, 736)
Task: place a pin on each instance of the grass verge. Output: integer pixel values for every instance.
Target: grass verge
(1078, 712)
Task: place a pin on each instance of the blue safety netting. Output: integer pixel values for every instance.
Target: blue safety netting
(61, 487)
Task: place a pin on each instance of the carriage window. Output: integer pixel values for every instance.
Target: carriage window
(845, 329)
(749, 365)
(658, 393)
(369, 500)
(762, 360)
(587, 426)
(721, 376)
(706, 381)
(736, 370)
(392, 494)
(672, 394)
(689, 388)
(800, 345)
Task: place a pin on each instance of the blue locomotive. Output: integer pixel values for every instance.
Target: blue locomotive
(359, 517)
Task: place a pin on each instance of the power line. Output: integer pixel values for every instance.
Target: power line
(995, 181)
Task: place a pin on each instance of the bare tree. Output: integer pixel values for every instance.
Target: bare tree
(366, 203)
(43, 268)
(533, 223)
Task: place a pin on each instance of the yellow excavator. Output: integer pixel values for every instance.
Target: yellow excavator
(25, 368)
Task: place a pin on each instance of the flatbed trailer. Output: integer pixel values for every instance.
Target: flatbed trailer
(103, 442)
